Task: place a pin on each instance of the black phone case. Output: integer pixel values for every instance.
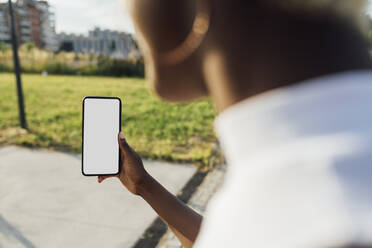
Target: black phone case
(82, 136)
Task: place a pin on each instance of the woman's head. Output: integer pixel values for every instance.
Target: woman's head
(351, 8)
(237, 29)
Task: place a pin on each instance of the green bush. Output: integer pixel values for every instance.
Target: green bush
(34, 60)
(107, 67)
(118, 68)
(4, 46)
(5, 68)
(59, 68)
(28, 46)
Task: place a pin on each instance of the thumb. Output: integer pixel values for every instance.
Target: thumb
(124, 147)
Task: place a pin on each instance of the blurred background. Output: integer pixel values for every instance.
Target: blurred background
(70, 49)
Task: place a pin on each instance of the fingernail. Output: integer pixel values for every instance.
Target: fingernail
(121, 135)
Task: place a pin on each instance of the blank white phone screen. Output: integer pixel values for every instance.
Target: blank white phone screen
(100, 138)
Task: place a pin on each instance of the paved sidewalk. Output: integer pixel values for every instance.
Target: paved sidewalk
(46, 202)
(198, 202)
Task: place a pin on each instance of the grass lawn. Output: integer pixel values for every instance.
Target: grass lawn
(157, 130)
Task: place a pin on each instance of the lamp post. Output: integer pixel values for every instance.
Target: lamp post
(17, 70)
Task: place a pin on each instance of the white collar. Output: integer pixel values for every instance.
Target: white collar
(276, 117)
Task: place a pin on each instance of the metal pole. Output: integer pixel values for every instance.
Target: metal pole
(17, 70)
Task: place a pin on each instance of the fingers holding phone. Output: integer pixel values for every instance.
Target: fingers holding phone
(132, 172)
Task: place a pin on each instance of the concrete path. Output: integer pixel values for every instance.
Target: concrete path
(199, 201)
(46, 202)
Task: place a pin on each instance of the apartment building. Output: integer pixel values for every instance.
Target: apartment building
(105, 42)
(34, 22)
(4, 23)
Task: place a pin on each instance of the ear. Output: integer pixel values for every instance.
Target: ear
(162, 26)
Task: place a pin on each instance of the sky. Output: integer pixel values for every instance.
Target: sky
(79, 16)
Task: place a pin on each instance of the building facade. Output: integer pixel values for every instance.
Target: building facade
(34, 22)
(4, 30)
(115, 44)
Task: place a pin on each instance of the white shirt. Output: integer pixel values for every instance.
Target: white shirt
(299, 167)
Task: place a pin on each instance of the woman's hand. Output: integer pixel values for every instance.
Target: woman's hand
(132, 173)
(184, 222)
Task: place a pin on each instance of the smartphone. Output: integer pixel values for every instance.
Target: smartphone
(100, 129)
